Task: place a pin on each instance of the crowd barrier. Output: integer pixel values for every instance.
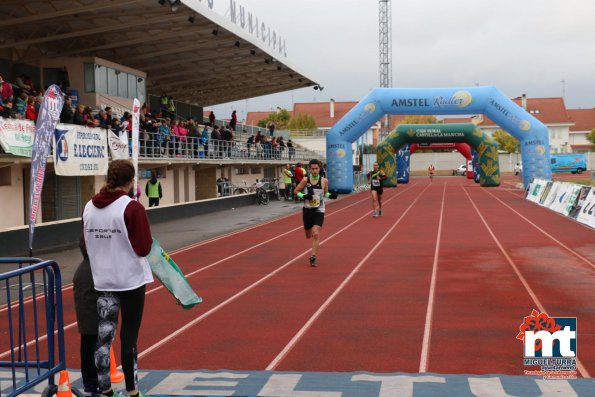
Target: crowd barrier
(571, 200)
(31, 311)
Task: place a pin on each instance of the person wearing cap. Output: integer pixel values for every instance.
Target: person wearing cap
(313, 189)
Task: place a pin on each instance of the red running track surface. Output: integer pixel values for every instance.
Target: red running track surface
(440, 283)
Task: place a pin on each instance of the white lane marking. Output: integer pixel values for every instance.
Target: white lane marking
(579, 365)
(250, 287)
(561, 244)
(332, 297)
(425, 344)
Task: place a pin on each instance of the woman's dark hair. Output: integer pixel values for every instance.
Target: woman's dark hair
(119, 173)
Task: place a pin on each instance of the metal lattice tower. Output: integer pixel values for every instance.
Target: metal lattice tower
(386, 52)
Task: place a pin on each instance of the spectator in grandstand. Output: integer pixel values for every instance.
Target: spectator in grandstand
(212, 118)
(30, 113)
(85, 305)
(175, 136)
(5, 90)
(258, 144)
(271, 126)
(249, 144)
(109, 115)
(183, 137)
(164, 136)
(67, 115)
(20, 106)
(104, 121)
(118, 239)
(267, 148)
(216, 142)
(290, 149)
(227, 137)
(193, 137)
(90, 120)
(163, 102)
(38, 100)
(282, 146)
(171, 107)
(233, 121)
(205, 139)
(117, 127)
(276, 149)
(25, 84)
(79, 118)
(8, 111)
(153, 190)
(221, 183)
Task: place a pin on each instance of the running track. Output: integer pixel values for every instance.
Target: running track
(439, 284)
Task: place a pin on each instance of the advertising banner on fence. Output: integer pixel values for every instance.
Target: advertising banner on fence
(16, 136)
(118, 145)
(47, 119)
(80, 150)
(586, 214)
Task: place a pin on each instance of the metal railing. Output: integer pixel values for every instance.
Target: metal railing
(34, 326)
(155, 145)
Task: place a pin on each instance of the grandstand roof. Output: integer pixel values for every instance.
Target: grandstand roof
(193, 53)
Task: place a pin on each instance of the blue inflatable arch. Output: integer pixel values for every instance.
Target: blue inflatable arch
(530, 132)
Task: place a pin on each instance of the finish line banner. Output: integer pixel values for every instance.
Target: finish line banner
(80, 151)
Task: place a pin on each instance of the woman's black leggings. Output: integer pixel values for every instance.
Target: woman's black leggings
(109, 304)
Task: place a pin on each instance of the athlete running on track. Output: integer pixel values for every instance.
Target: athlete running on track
(316, 190)
(431, 171)
(375, 178)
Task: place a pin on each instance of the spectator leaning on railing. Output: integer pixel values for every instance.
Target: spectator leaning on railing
(5, 90)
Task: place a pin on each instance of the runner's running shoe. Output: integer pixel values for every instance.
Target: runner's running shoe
(374, 214)
(313, 261)
(379, 212)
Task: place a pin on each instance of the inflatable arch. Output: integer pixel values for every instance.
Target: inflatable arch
(404, 156)
(531, 133)
(489, 169)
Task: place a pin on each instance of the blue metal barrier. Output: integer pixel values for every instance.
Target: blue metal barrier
(32, 299)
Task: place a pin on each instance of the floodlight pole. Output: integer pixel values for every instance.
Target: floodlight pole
(385, 46)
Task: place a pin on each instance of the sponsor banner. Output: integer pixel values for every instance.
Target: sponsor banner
(546, 192)
(586, 215)
(16, 136)
(135, 148)
(574, 191)
(118, 145)
(580, 202)
(536, 190)
(80, 150)
(47, 119)
(561, 198)
(551, 196)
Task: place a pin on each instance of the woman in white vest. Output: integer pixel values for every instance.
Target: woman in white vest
(118, 238)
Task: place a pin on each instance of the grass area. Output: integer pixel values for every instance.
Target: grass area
(581, 181)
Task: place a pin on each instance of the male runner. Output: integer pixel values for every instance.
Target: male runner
(316, 190)
(375, 178)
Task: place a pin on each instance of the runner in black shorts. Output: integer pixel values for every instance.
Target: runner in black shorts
(375, 178)
(316, 190)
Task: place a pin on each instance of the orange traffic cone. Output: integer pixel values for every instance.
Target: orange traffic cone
(64, 385)
(115, 375)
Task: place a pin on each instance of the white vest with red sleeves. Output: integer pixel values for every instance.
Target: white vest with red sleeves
(114, 264)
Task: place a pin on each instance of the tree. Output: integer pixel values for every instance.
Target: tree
(591, 136)
(419, 119)
(280, 118)
(505, 141)
(302, 122)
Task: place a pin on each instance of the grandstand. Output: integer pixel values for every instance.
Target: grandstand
(105, 54)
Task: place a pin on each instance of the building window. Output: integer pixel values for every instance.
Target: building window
(100, 79)
(112, 82)
(89, 77)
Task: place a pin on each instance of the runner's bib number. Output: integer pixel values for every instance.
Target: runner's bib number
(314, 203)
(375, 182)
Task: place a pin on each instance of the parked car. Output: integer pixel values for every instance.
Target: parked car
(462, 170)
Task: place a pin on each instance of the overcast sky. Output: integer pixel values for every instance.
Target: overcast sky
(519, 46)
